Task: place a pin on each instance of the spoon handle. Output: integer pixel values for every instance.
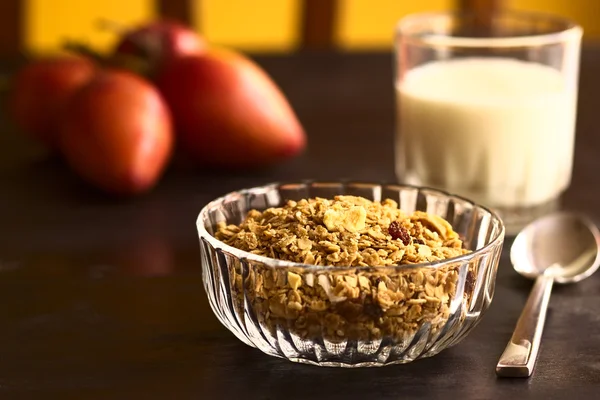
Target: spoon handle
(520, 354)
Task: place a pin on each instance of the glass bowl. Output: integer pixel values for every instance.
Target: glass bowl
(400, 313)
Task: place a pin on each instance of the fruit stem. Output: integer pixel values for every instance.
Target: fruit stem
(106, 24)
(130, 62)
(82, 49)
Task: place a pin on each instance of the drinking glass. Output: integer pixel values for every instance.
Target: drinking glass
(487, 111)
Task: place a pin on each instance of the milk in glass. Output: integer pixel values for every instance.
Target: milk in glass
(497, 130)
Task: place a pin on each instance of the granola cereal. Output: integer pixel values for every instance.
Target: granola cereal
(365, 298)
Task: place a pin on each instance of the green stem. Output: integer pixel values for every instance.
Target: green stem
(84, 50)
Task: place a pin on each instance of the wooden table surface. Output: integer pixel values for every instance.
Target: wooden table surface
(103, 299)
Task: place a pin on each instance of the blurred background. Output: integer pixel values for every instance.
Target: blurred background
(263, 26)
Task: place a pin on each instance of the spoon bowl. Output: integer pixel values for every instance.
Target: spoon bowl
(566, 241)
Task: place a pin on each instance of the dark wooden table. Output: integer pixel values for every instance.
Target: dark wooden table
(103, 299)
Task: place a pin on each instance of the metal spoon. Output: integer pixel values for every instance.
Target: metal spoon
(561, 247)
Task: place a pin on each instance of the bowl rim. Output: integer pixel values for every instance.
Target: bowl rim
(275, 263)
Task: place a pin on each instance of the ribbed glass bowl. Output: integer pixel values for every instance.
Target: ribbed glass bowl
(402, 313)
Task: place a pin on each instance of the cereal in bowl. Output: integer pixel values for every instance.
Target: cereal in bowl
(345, 231)
(367, 297)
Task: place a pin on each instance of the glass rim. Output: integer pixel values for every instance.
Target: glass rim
(571, 31)
(218, 245)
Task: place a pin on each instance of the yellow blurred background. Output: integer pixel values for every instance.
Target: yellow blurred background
(259, 25)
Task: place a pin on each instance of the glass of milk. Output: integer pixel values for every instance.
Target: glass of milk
(488, 112)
